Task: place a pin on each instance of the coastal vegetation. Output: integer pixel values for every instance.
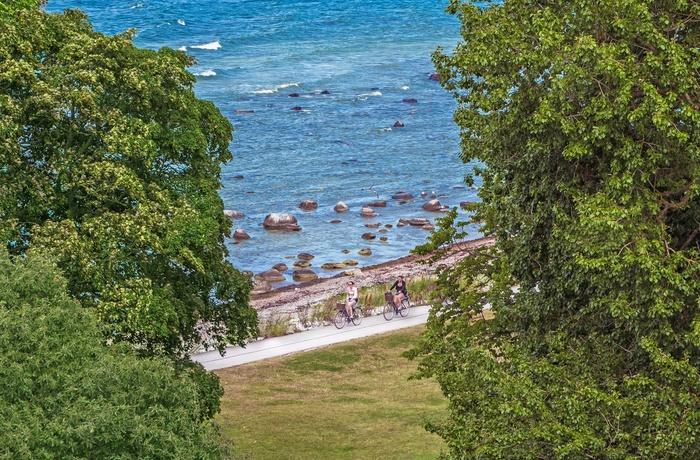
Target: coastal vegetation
(113, 255)
(583, 117)
(66, 395)
(111, 164)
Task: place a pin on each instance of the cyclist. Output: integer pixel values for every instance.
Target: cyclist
(401, 292)
(352, 299)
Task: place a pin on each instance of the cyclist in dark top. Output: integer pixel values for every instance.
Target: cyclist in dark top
(401, 292)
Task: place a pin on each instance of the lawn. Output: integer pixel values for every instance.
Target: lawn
(347, 401)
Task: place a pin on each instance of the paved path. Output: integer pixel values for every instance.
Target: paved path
(307, 340)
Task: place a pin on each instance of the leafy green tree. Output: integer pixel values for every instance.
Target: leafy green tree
(109, 161)
(64, 395)
(9, 7)
(582, 118)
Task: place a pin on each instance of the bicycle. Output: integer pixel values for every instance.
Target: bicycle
(391, 310)
(341, 317)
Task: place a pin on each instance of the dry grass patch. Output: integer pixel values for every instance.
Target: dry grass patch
(346, 401)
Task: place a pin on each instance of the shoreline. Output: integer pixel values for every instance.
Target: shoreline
(289, 299)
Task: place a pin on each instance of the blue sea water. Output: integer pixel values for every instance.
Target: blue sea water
(369, 55)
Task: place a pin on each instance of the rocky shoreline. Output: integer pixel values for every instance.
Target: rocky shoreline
(289, 299)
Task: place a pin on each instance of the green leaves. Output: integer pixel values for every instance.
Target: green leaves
(585, 117)
(112, 164)
(64, 395)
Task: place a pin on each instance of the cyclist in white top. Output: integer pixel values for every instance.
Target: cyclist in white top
(352, 299)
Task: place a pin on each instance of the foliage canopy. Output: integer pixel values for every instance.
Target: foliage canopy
(109, 161)
(64, 395)
(584, 118)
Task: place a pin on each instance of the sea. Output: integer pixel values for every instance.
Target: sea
(314, 90)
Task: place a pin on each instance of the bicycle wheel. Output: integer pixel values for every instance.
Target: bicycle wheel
(340, 319)
(405, 306)
(389, 311)
(357, 316)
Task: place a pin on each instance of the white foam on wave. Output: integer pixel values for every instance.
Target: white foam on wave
(405, 88)
(182, 48)
(364, 96)
(208, 46)
(181, 22)
(206, 73)
(138, 5)
(274, 89)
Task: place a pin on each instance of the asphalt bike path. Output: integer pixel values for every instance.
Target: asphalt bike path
(308, 340)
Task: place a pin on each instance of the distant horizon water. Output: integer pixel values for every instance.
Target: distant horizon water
(313, 90)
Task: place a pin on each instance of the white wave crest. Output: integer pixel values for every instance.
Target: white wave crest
(206, 73)
(364, 96)
(181, 22)
(208, 46)
(182, 48)
(138, 5)
(274, 89)
(404, 88)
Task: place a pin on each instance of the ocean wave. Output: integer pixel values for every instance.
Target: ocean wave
(208, 46)
(138, 5)
(274, 89)
(181, 22)
(206, 73)
(405, 88)
(364, 96)
(182, 48)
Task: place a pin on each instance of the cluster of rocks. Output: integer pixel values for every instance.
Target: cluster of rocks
(289, 223)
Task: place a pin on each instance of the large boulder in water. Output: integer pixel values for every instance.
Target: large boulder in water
(368, 236)
(305, 256)
(434, 206)
(285, 222)
(376, 204)
(333, 265)
(418, 222)
(280, 267)
(240, 234)
(341, 207)
(368, 212)
(308, 205)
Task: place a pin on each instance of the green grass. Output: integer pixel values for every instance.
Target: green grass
(347, 401)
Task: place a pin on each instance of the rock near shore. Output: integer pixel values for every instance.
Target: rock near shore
(284, 222)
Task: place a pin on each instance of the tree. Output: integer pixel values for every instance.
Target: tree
(582, 118)
(110, 162)
(64, 395)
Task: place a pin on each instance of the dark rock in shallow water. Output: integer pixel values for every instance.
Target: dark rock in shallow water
(368, 236)
(409, 101)
(296, 108)
(305, 256)
(401, 195)
(325, 91)
(341, 207)
(308, 205)
(238, 177)
(365, 252)
(376, 204)
(368, 212)
(232, 214)
(302, 264)
(434, 206)
(280, 267)
(434, 76)
(243, 112)
(398, 124)
(418, 222)
(294, 95)
(239, 234)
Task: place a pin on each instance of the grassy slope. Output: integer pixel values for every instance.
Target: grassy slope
(346, 401)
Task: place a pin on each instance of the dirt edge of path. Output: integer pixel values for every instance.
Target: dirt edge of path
(289, 299)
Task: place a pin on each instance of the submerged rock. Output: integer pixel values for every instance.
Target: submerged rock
(308, 205)
(365, 252)
(305, 256)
